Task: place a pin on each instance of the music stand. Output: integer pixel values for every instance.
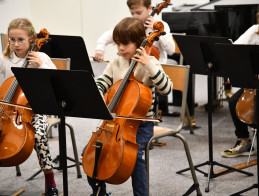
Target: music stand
(73, 47)
(199, 53)
(241, 61)
(62, 93)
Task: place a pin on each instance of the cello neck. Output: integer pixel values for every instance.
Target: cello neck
(26, 62)
(159, 7)
(10, 93)
(153, 11)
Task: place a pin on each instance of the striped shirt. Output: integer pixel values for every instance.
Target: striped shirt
(152, 75)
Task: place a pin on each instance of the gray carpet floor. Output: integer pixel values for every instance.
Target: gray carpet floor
(164, 161)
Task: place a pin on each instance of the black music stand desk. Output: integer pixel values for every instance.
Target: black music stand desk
(199, 53)
(73, 47)
(62, 93)
(242, 65)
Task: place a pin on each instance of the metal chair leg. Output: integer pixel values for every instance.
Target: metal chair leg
(18, 171)
(189, 119)
(79, 175)
(189, 158)
(255, 132)
(195, 186)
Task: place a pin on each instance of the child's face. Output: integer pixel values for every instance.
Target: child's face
(19, 42)
(140, 12)
(127, 50)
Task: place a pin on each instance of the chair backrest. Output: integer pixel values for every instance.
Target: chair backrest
(62, 63)
(4, 40)
(179, 75)
(177, 49)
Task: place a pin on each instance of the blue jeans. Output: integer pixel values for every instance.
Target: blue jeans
(139, 175)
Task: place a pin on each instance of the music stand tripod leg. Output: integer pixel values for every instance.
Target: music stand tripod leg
(211, 163)
(34, 175)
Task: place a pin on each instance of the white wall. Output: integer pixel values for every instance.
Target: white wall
(10, 9)
(100, 16)
(61, 17)
(86, 18)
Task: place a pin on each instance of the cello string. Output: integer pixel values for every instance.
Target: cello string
(9, 95)
(124, 81)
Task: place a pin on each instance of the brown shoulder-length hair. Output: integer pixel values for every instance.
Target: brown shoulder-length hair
(129, 30)
(257, 18)
(19, 23)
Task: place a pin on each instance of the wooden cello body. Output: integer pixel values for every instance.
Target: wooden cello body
(17, 134)
(111, 153)
(16, 131)
(118, 136)
(245, 106)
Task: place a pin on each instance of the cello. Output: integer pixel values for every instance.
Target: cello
(16, 132)
(153, 50)
(245, 106)
(111, 152)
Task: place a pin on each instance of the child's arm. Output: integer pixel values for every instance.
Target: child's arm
(142, 57)
(105, 81)
(34, 57)
(149, 22)
(42, 60)
(161, 81)
(102, 42)
(245, 37)
(166, 41)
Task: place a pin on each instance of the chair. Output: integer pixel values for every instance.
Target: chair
(177, 51)
(179, 75)
(4, 40)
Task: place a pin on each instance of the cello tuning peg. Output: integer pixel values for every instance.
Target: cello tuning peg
(156, 38)
(163, 33)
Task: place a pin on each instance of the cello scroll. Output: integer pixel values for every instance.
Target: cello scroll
(159, 30)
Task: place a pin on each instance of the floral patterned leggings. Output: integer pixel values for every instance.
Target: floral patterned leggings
(40, 123)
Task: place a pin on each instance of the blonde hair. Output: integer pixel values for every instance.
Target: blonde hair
(19, 23)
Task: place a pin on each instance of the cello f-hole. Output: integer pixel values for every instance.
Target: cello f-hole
(118, 130)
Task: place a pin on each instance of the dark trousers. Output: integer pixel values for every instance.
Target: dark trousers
(139, 175)
(241, 128)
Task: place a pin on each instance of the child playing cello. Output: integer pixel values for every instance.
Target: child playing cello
(128, 35)
(21, 36)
